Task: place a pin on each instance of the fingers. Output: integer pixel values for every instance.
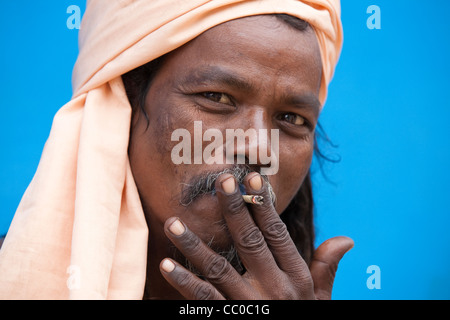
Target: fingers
(215, 268)
(248, 238)
(325, 262)
(274, 229)
(261, 240)
(270, 233)
(189, 285)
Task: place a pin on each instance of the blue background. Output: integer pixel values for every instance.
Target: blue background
(388, 112)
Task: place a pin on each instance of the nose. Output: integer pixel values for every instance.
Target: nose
(251, 142)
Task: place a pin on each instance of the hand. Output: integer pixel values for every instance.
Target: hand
(274, 267)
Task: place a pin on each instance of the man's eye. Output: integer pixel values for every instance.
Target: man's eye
(218, 97)
(293, 118)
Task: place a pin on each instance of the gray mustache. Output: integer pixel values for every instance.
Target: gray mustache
(204, 184)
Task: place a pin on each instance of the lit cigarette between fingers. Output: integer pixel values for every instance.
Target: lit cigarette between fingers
(252, 199)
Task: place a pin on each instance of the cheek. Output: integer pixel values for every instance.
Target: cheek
(158, 179)
(294, 166)
(153, 170)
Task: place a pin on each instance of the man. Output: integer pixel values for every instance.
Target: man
(249, 65)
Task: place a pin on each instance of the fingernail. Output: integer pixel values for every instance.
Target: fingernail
(229, 185)
(167, 265)
(177, 228)
(256, 182)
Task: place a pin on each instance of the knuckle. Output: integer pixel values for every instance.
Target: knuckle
(252, 240)
(285, 293)
(277, 233)
(235, 204)
(191, 242)
(183, 279)
(217, 269)
(203, 292)
(282, 288)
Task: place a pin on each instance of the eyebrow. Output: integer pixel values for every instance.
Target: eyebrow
(307, 100)
(220, 76)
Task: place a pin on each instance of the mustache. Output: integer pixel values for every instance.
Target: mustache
(204, 184)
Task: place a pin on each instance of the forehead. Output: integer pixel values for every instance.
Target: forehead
(259, 46)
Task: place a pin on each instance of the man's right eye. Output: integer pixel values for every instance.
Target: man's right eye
(293, 118)
(218, 97)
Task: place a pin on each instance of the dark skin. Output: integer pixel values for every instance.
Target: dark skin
(254, 72)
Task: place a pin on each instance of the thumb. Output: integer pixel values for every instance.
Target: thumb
(325, 262)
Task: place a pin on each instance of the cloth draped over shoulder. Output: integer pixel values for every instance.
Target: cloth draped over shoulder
(79, 231)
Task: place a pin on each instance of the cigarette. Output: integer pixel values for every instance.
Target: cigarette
(252, 199)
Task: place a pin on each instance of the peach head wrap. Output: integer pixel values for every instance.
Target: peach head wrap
(79, 231)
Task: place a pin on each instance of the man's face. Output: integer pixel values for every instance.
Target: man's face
(250, 73)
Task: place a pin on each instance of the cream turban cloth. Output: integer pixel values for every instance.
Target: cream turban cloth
(79, 231)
